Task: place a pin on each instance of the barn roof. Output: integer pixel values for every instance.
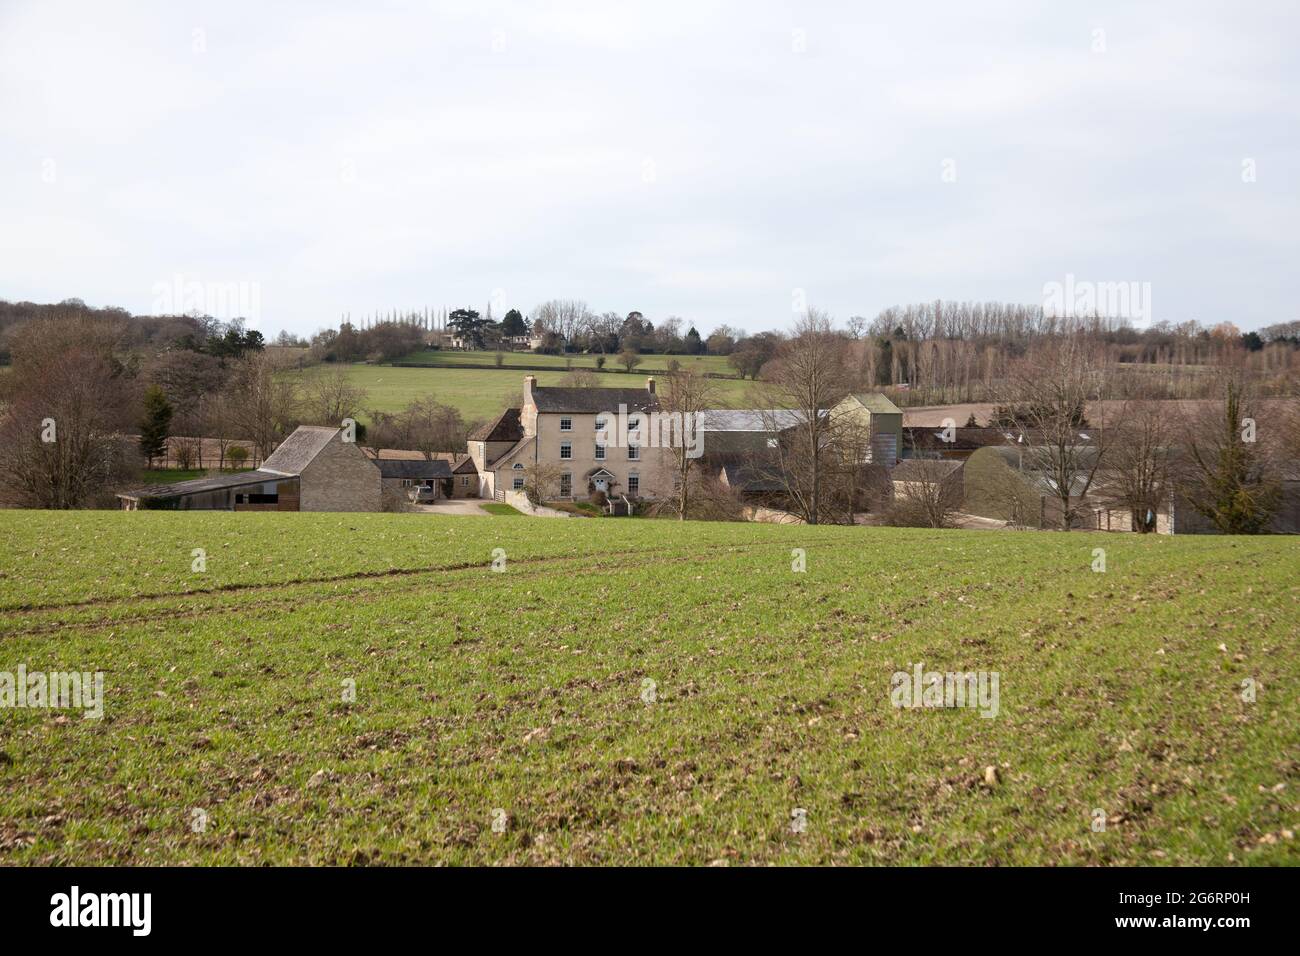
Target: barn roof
(297, 451)
(749, 419)
(196, 486)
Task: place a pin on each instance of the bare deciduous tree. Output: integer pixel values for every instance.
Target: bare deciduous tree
(1053, 389)
(424, 425)
(1142, 462)
(684, 398)
(564, 317)
(805, 380)
(61, 437)
(927, 497)
(541, 481)
(329, 396)
(262, 404)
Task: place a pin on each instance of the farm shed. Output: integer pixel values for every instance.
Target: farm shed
(313, 469)
(244, 491)
(879, 422)
(404, 473)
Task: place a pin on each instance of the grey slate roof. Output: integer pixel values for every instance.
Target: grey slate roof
(749, 419)
(413, 469)
(179, 489)
(589, 401)
(297, 451)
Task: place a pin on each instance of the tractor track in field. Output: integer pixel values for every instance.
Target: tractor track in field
(658, 555)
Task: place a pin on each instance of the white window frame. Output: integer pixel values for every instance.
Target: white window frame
(633, 452)
(566, 450)
(634, 477)
(518, 483)
(600, 452)
(566, 476)
(566, 424)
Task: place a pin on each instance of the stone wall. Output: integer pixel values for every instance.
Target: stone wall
(341, 478)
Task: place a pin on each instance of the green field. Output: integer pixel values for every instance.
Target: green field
(527, 692)
(650, 364)
(482, 393)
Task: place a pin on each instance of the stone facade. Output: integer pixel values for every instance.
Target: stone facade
(341, 477)
(652, 467)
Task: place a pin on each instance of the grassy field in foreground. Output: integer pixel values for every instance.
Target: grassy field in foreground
(641, 692)
(483, 393)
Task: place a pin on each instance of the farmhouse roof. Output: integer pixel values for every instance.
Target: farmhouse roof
(506, 427)
(589, 401)
(195, 486)
(297, 451)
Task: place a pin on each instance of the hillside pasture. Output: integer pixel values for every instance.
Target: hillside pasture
(482, 394)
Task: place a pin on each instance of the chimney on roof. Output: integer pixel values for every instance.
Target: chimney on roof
(530, 382)
(650, 384)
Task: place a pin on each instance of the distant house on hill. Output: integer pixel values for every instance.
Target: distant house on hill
(313, 469)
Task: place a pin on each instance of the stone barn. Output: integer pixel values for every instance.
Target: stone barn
(313, 469)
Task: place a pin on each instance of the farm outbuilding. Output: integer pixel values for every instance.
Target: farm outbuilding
(314, 469)
(402, 474)
(877, 421)
(243, 491)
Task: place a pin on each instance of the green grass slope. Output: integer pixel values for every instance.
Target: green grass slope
(716, 364)
(525, 691)
(483, 393)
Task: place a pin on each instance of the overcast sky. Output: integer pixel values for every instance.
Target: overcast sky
(696, 159)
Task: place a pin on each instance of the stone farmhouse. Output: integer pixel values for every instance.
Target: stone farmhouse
(594, 439)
